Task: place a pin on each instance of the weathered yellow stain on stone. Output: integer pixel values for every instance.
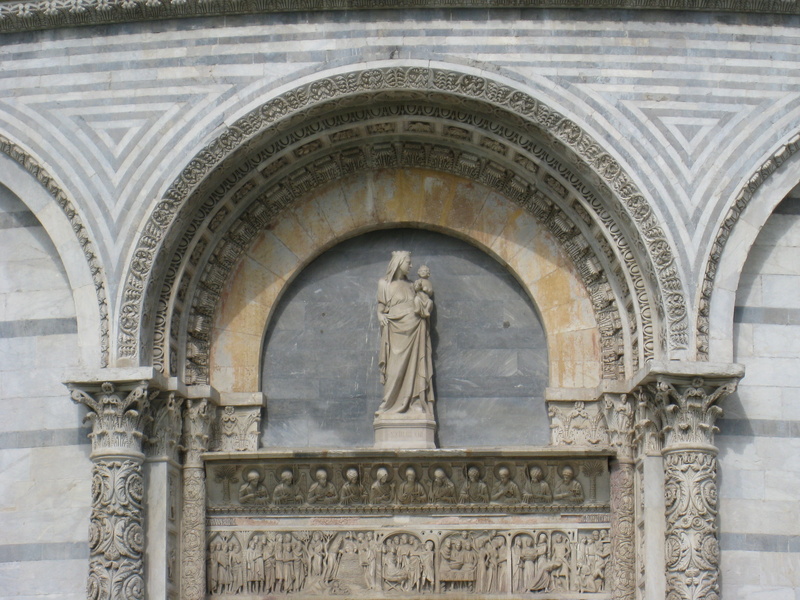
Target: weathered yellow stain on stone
(405, 197)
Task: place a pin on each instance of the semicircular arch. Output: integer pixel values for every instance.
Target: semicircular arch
(501, 136)
(402, 198)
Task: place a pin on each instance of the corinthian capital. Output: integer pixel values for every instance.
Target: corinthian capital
(688, 408)
(117, 415)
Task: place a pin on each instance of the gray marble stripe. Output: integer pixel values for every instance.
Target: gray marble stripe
(41, 438)
(766, 316)
(759, 542)
(18, 219)
(54, 551)
(37, 327)
(759, 428)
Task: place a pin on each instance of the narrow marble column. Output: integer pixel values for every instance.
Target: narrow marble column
(118, 414)
(689, 410)
(619, 416)
(196, 434)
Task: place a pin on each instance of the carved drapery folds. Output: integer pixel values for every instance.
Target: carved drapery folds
(197, 430)
(118, 415)
(688, 411)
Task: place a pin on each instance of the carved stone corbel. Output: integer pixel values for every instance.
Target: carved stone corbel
(619, 410)
(196, 436)
(688, 410)
(118, 413)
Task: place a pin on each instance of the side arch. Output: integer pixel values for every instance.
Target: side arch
(25, 176)
(749, 211)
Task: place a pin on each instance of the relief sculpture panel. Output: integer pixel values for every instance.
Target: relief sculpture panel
(374, 524)
(571, 561)
(370, 484)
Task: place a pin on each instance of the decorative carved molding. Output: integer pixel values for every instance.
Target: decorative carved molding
(164, 435)
(238, 429)
(689, 410)
(34, 15)
(743, 198)
(373, 485)
(577, 424)
(623, 531)
(30, 164)
(692, 547)
(116, 533)
(567, 560)
(197, 432)
(560, 129)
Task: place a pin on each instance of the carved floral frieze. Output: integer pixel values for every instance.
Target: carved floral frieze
(577, 424)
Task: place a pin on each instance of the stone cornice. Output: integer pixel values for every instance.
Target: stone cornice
(18, 16)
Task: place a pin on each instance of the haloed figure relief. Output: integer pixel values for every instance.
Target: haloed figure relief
(405, 356)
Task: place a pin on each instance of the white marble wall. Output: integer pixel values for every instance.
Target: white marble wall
(44, 466)
(760, 434)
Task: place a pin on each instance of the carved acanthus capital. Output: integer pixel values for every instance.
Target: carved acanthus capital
(164, 434)
(238, 429)
(118, 416)
(689, 410)
(196, 430)
(646, 422)
(619, 411)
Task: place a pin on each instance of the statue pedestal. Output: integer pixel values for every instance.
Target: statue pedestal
(401, 431)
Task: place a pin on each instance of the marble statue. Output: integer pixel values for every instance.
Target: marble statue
(405, 357)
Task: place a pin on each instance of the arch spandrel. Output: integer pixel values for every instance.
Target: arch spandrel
(606, 202)
(498, 226)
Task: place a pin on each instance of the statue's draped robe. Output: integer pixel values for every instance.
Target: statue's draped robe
(405, 354)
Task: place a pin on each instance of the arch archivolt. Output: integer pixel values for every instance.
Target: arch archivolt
(753, 204)
(31, 182)
(400, 118)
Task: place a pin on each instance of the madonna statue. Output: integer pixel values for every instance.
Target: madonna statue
(405, 358)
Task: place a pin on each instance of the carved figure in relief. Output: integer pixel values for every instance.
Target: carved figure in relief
(287, 491)
(405, 356)
(503, 573)
(536, 490)
(427, 559)
(219, 567)
(474, 490)
(536, 567)
(254, 566)
(382, 490)
(322, 491)
(352, 492)
(592, 554)
(253, 491)
(505, 491)
(568, 489)
(268, 554)
(443, 491)
(458, 565)
(237, 569)
(560, 557)
(411, 491)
